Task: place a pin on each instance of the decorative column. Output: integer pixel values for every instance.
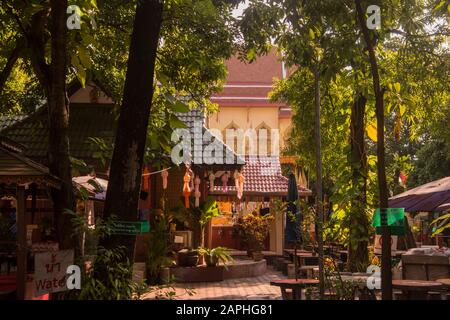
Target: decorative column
(224, 179)
(211, 178)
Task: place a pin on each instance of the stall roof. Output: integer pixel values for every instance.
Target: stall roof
(15, 168)
(430, 197)
(87, 120)
(263, 177)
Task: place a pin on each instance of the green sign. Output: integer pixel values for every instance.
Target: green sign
(130, 227)
(394, 218)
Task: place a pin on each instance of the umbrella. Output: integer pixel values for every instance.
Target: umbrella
(430, 197)
(95, 187)
(292, 230)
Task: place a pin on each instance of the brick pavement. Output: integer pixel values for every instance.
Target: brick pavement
(232, 289)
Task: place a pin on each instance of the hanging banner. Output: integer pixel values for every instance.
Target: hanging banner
(51, 271)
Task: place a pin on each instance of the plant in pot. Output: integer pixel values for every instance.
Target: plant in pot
(202, 214)
(254, 229)
(216, 255)
(187, 257)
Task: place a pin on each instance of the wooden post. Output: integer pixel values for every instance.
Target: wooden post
(21, 243)
(386, 267)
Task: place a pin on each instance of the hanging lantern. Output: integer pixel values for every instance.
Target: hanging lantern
(164, 175)
(191, 182)
(197, 193)
(186, 188)
(240, 185)
(211, 178)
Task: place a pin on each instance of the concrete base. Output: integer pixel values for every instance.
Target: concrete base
(197, 274)
(243, 268)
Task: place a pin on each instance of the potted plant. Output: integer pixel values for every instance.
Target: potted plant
(254, 229)
(216, 255)
(187, 258)
(201, 215)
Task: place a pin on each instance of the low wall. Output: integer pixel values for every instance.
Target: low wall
(242, 269)
(245, 270)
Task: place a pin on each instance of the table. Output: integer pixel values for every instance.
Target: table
(416, 289)
(295, 285)
(445, 282)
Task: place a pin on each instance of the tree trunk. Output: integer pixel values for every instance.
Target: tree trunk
(58, 114)
(386, 272)
(358, 257)
(319, 204)
(127, 162)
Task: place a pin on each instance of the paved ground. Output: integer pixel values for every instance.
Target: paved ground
(233, 289)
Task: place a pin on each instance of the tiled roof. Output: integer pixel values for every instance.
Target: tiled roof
(86, 120)
(262, 176)
(197, 116)
(10, 119)
(16, 168)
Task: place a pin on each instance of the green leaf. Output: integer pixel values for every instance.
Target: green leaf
(397, 87)
(402, 109)
(176, 123)
(311, 34)
(440, 5)
(79, 70)
(179, 106)
(251, 54)
(84, 57)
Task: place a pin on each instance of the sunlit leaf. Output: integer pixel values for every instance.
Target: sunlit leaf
(371, 130)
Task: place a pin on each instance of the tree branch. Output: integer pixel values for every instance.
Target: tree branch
(15, 53)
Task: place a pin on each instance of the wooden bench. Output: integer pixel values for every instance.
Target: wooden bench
(425, 267)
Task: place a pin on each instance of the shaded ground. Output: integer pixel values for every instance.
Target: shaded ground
(232, 289)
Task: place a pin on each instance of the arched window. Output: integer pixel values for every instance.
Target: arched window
(264, 134)
(229, 135)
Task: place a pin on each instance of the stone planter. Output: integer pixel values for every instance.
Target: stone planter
(211, 261)
(257, 256)
(187, 258)
(197, 274)
(164, 275)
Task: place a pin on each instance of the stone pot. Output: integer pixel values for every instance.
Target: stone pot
(211, 261)
(187, 258)
(257, 256)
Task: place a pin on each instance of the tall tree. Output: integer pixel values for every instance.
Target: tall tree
(358, 257)
(127, 161)
(386, 271)
(31, 26)
(58, 112)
